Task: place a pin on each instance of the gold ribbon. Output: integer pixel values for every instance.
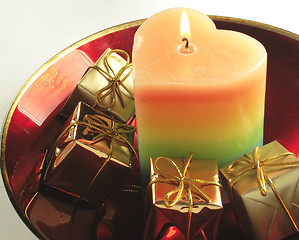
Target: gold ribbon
(254, 163)
(114, 131)
(182, 181)
(115, 81)
(131, 188)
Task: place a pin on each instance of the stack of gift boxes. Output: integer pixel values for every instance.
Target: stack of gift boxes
(92, 172)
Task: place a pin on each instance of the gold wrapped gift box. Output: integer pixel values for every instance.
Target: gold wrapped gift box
(248, 183)
(107, 86)
(185, 194)
(91, 155)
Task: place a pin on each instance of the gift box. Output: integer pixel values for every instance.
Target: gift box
(184, 193)
(263, 189)
(57, 215)
(106, 86)
(124, 210)
(91, 156)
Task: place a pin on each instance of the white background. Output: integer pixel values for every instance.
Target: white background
(33, 31)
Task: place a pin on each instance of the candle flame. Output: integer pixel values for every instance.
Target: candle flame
(185, 25)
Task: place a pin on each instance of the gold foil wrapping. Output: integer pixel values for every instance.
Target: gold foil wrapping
(107, 86)
(204, 212)
(87, 163)
(263, 216)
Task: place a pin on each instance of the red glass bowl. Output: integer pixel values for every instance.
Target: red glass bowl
(31, 125)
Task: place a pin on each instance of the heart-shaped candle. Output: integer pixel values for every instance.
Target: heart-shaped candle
(200, 90)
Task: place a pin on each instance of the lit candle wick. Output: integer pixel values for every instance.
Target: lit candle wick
(186, 48)
(187, 42)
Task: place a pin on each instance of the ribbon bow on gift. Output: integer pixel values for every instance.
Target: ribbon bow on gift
(182, 181)
(103, 130)
(255, 163)
(115, 81)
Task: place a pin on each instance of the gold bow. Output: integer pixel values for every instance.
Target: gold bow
(182, 181)
(115, 80)
(254, 163)
(99, 126)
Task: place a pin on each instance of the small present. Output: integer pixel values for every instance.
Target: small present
(56, 215)
(107, 86)
(125, 209)
(91, 156)
(185, 194)
(264, 191)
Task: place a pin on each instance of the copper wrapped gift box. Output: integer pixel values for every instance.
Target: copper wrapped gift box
(263, 189)
(56, 215)
(185, 194)
(107, 86)
(91, 156)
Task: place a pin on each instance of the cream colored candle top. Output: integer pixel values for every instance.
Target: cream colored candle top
(219, 55)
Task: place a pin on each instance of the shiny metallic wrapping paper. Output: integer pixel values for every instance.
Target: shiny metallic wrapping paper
(262, 216)
(93, 81)
(75, 163)
(55, 214)
(205, 216)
